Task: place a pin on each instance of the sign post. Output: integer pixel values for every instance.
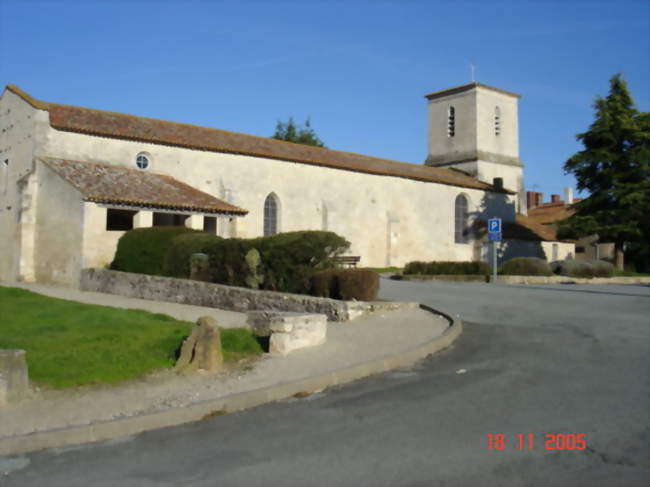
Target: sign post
(494, 236)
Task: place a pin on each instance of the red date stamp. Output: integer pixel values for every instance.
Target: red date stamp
(526, 441)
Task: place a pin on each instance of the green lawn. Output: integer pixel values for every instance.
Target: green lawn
(72, 344)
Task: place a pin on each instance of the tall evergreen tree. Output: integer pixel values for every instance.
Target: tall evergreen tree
(614, 168)
(299, 134)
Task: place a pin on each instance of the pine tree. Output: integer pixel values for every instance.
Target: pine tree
(291, 132)
(614, 168)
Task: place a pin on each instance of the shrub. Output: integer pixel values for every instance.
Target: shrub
(573, 268)
(176, 261)
(143, 250)
(603, 268)
(526, 266)
(444, 267)
(324, 284)
(286, 262)
(346, 284)
(577, 268)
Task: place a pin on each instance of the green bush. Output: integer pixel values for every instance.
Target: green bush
(603, 268)
(526, 266)
(176, 261)
(287, 260)
(346, 284)
(573, 268)
(447, 268)
(577, 268)
(324, 284)
(283, 262)
(143, 250)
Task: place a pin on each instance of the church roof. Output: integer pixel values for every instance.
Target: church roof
(131, 127)
(467, 87)
(115, 185)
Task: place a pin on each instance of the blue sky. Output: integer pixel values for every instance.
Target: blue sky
(359, 69)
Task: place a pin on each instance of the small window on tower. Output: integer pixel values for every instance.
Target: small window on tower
(451, 122)
(497, 121)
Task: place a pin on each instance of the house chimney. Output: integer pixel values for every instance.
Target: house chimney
(497, 183)
(555, 198)
(530, 199)
(539, 199)
(568, 196)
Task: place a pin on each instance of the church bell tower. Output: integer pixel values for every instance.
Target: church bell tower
(474, 128)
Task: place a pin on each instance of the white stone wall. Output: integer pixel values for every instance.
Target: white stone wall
(507, 142)
(99, 245)
(358, 206)
(442, 147)
(21, 131)
(59, 230)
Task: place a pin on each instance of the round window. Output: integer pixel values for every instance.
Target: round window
(142, 161)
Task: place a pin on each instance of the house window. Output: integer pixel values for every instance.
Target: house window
(271, 215)
(461, 230)
(555, 252)
(142, 160)
(451, 122)
(497, 121)
(119, 220)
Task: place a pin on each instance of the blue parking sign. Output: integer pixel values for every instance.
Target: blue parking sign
(494, 225)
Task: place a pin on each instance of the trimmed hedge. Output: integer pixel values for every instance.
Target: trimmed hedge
(346, 284)
(283, 262)
(526, 266)
(176, 261)
(577, 268)
(447, 268)
(143, 250)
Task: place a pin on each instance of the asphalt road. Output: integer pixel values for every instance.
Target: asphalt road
(540, 360)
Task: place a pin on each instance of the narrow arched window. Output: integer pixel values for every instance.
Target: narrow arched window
(271, 215)
(497, 121)
(451, 122)
(461, 230)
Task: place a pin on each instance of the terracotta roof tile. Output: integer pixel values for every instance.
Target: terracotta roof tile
(551, 212)
(524, 228)
(122, 126)
(117, 185)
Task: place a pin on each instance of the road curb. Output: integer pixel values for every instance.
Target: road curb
(107, 430)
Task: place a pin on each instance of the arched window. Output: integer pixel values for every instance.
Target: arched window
(461, 230)
(451, 122)
(497, 121)
(271, 214)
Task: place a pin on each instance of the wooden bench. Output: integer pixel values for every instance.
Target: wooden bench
(348, 260)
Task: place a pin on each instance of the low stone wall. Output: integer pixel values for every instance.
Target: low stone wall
(442, 277)
(525, 279)
(198, 293)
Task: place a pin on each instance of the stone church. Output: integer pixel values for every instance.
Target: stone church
(73, 180)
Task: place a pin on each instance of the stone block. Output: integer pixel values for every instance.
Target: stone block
(202, 349)
(289, 331)
(14, 379)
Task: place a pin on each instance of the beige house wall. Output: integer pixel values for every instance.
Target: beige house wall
(59, 230)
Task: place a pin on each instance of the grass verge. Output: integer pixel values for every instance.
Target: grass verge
(72, 344)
